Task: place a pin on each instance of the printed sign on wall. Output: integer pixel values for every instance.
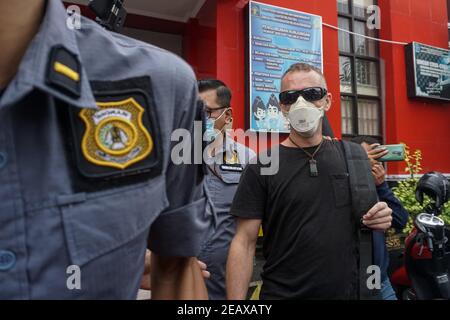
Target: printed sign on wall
(278, 38)
(428, 71)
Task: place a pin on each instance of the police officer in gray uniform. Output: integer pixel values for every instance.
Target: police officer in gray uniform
(226, 160)
(86, 179)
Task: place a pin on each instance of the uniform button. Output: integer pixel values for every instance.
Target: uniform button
(2, 159)
(7, 260)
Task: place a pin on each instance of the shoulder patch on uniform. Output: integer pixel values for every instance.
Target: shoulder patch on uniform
(64, 71)
(121, 138)
(115, 135)
(231, 157)
(231, 162)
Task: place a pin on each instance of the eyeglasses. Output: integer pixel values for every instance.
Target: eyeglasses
(309, 94)
(209, 111)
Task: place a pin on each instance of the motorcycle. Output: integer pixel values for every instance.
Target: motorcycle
(424, 274)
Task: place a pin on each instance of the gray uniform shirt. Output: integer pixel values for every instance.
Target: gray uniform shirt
(221, 182)
(52, 214)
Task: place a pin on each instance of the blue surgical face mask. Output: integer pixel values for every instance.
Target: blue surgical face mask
(211, 133)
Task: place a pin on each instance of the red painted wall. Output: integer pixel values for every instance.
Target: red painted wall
(214, 44)
(200, 41)
(421, 125)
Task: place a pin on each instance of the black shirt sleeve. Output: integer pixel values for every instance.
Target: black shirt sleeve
(251, 195)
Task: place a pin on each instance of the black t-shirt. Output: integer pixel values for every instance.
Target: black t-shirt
(309, 230)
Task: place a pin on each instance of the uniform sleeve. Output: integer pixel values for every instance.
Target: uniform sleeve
(250, 198)
(179, 230)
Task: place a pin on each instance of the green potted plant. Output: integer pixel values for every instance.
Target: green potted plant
(406, 189)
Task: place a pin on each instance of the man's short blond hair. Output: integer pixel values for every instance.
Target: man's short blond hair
(304, 67)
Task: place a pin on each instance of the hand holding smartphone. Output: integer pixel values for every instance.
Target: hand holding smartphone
(375, 151)
(390, 152)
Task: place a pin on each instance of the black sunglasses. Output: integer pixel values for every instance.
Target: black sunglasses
(309, 94)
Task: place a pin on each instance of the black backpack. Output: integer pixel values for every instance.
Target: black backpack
(364, 197)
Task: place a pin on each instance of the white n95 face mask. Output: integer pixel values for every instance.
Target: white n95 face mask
(305, 117)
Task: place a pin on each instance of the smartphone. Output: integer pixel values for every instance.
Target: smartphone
(396, 153)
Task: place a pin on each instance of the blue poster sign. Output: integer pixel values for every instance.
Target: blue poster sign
(278, 38)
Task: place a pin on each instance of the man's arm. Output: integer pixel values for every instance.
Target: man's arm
(177, 278)
(385, 194)
(177, 234)
(240, 258)
(146, 283)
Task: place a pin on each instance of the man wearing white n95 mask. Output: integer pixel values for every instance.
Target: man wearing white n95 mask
(305, 118)
(310, 242)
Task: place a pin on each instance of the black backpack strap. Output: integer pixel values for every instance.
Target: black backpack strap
(364, 197)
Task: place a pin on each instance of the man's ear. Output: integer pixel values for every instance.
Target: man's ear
(328, 99)
(229, 115)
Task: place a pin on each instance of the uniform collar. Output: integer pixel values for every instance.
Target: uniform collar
(33, 69)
